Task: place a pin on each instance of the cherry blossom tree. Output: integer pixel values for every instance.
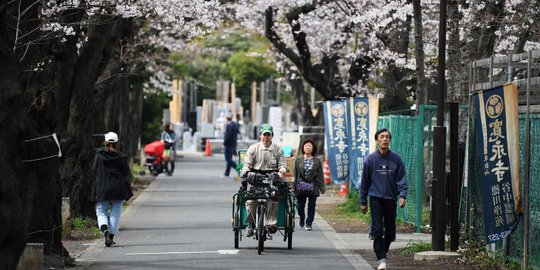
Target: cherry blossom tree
(76, 68)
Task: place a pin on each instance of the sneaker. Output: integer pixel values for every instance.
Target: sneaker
(382, 264)
(301, 224)
(272, 228)
(308, 227)
(249, 232)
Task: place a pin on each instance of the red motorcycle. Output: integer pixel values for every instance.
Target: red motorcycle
(158, 158)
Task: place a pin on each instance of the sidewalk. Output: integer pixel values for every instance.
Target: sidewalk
(348, 244)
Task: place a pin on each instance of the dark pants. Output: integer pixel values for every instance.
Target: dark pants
(383, 222)
(229, 151)
(301, 205)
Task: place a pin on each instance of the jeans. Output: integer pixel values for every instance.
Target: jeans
(229, 151)
(301, 205)
(383, 223)
(112, 219)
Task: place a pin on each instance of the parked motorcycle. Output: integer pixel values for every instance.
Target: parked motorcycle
(158, 159)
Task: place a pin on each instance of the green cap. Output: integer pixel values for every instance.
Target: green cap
(267, 128)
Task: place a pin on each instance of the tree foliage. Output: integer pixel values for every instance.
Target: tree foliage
(248, 67)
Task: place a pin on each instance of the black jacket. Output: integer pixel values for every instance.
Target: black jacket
(111, 177)
(231, 134)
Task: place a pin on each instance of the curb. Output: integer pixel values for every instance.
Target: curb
(355, 260)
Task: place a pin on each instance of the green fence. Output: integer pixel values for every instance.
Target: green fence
(475, 219)
(412, 139)
(405, 141)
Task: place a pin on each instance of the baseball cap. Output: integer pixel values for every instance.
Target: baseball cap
(111, 137)
(267, 128)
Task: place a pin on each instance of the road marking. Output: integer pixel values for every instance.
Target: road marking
(220, 252)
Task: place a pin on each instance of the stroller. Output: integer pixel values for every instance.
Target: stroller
(158, 159)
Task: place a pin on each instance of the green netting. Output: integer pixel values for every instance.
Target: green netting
(476, 221)
(412, 138)
(405, 142)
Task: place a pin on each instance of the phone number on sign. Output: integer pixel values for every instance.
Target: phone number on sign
(499, 236)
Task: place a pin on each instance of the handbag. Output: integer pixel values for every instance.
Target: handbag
(305, 188)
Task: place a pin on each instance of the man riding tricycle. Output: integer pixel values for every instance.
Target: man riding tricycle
(264, 204)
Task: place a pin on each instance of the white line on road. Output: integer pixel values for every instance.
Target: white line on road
(220, 252)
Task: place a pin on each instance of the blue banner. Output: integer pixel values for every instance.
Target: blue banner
(335, 118)
(362, 122)
(498, 143)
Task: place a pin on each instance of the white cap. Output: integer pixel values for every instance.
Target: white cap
(111, 137)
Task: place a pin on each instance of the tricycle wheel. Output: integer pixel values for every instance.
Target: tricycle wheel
(289, 239)
(236, 237)
(260, 229)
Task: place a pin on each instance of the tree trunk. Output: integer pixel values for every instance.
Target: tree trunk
(483, 38)
(29, 191)
(79, 143)
(13, 204)
(530, 24)
(457, 85)
(396, 79)
(421, 93)
(323, 76)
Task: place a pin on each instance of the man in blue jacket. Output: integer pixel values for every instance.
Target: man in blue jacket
(229, 143)
(384, 180)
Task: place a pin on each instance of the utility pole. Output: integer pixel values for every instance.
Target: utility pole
(439, 146)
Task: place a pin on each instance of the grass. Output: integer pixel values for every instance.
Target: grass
(489, 259)
(350, 209)
(82, 228)
(136, 169)
(413, 248)
(81, 223)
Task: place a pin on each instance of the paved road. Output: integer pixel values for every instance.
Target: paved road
(184, 222)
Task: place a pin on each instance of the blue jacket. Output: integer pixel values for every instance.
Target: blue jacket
(383, 177)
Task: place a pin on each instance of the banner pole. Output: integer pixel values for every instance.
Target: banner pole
(527, 171)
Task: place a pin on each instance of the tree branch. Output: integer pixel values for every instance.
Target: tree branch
(274, 38)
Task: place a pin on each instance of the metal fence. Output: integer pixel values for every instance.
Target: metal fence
(412, 139)
(474, 218)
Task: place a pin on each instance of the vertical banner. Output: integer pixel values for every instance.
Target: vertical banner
(362, 124)
(498, 142)
(335, 118)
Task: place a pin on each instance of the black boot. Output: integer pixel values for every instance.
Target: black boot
(105, 230)
(112, 238)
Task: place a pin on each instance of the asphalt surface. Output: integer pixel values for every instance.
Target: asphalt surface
(184, 222)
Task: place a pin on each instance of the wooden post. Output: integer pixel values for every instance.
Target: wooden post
(253, 102)
(233, 100)
(173, 104)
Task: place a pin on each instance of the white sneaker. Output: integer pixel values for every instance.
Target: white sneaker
(382, 265)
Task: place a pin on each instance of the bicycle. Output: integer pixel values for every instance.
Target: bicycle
(262, 188)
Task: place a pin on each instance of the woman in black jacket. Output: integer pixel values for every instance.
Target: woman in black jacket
(308, 182)
(111, 186)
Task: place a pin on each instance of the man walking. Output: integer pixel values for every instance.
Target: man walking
(384, 180)
(229, 143)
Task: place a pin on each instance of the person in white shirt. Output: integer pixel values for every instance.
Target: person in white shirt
(264, 156)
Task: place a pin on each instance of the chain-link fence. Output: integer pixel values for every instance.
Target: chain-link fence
(475, 214)
(405, 140)
(412, 139)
